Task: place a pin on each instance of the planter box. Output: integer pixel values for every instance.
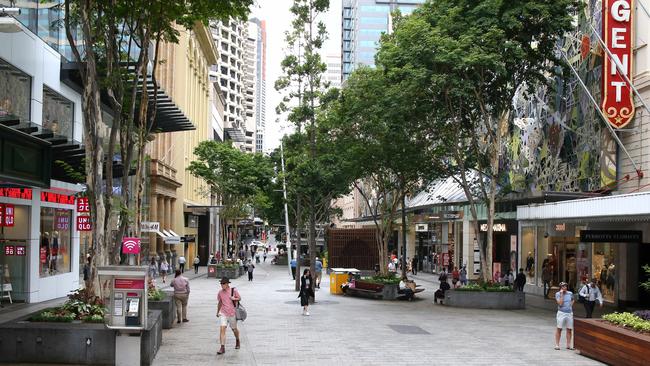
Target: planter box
(374, 290)
(22, 341)
(168, 308)
(485, 299)
(231, 273)
(605, 342)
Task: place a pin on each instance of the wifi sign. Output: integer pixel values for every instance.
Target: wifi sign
(130, 245)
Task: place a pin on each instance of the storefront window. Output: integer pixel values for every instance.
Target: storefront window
(604, 269)
(57, 113)
(14, 251)
(545, 257)
(55, 241)
(15, 93)
(528, 253)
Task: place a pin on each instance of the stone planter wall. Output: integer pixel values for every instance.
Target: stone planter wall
(231, 273)
(22, 341)
(389, 292)
(605, 342)
(168, 308)
(485, 300)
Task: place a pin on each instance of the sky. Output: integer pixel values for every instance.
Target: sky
(278, 20)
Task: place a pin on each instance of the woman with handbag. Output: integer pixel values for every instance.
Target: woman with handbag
(306, 290)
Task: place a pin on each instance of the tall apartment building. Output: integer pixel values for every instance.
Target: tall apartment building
(363, 23)
(228, 73)
(257, 31)
(333, 74)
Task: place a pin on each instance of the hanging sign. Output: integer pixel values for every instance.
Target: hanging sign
(130, 245)
(149, 226)
(9, 215)
(83, 205)
(10, 250)
(84, 224)
(21, 250)
(618, 35)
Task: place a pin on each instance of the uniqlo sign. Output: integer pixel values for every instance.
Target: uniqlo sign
(7, 215)
(10, 250)
(618, 35)
(82, 204)
(83, 223)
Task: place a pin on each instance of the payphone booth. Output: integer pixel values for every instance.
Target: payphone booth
(124, 289)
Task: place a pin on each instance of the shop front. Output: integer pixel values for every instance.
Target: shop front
(597, 238)
(504, 246)
(40, 246)
(438, 240)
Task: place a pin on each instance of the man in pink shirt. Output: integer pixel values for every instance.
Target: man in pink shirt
(227, 298)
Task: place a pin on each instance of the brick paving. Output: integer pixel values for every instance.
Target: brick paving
(354, 331)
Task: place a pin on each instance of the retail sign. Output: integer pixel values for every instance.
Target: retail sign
(62, 222)
(495, 227)
(129, 284)
(83, 205)
(618, 35)
(560, 227)
(8, 219)
(149, 226)
(130, 245)
(2, 215)
(21, 250)
(611, 236)
(52, 197)
(84, 224)
(18, 193)
(421, 228)
(10, 250)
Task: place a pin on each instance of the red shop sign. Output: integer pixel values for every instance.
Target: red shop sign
(82, 204)
(2, 215)
(126, 283)
(8, 215)
(618, 35)
(10, 250)
(52, 197)
(21, 250)
(83, 223)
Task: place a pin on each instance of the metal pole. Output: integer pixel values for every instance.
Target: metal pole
(286, 208)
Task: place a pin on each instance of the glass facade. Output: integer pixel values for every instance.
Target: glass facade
(15, 93)
(58, 113)
(14, 249)
(55, 241)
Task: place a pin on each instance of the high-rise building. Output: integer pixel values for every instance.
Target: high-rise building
(250, 81)
(230, 38)
(363, 23)
(257, 31)
(333, 75)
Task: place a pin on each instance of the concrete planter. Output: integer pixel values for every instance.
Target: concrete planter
(389, 292)
(485, 299)
(608, 343)
(231, 273)
(22, 341)
(168, 308)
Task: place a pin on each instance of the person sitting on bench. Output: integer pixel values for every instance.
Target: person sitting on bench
(406, 289)
(349, 284)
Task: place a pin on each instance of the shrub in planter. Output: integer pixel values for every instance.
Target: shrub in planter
(629, 320)
(81, 305)
(383, 280)
(487, 287)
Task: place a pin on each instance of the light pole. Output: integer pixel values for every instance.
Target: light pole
(286, 208)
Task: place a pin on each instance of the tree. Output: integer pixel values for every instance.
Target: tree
(374, 129)
(303, 69)
(236, 177)
(111, 41)
(469, 57)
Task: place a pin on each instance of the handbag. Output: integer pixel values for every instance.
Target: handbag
(240, 311)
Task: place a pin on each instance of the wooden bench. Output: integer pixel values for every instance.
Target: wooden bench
(365, 289)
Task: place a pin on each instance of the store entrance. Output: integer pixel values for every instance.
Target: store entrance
(564, 261)
(644, 259)
(14, 250)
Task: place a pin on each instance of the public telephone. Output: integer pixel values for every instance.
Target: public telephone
(133, 310)
(126, 296)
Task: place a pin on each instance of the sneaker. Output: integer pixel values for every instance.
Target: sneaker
(185, 320)
(307, 313)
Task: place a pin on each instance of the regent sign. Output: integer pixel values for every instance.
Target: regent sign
(618, 34)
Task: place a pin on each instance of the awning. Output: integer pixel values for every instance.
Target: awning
(234, 134)
(631, 206)
(169, 236)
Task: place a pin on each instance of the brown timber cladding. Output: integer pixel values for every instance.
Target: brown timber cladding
(608, 343)
(352, 248)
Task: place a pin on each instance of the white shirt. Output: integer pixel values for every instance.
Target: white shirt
(181, 260)
(591, 293)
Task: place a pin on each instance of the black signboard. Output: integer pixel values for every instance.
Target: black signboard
(611, 236)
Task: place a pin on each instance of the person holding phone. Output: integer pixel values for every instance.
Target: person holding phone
(564, 317)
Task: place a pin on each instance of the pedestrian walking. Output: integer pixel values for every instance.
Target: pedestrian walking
(564, 316)
(264, 255)
(227, 301)
(318, 268)
(463, 276)
(546, 279)
(181, 287)
(250, 268)
(414, 265)
(293, 268)
(153, 268)
(306, 291)
(197, 260)
(164, 268)
(520, 281)
(589, 294)
(181, 263)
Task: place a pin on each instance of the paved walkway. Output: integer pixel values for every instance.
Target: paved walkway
(354, 331)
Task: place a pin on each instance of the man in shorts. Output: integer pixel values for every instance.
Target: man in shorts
(564, 299)
(227, 297)
(318, 268)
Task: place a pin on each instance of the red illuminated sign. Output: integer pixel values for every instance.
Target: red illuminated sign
(82, 205)
(130, 245)
(21, 250)
(10, 250)
(618, 35)
(19, 193)
(8, 216)
(2, 215)
(52, 197)
(125, 283)
(83, 223)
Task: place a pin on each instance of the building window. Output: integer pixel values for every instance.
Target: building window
(15, 93)
(375, 9)
(528, 253)
(375, 20)
(58, 113)
(371, 44)
(603, 264)
(55, 241)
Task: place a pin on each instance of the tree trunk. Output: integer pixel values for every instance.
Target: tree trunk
(298, 243)
(403, 234)
(312, 241)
